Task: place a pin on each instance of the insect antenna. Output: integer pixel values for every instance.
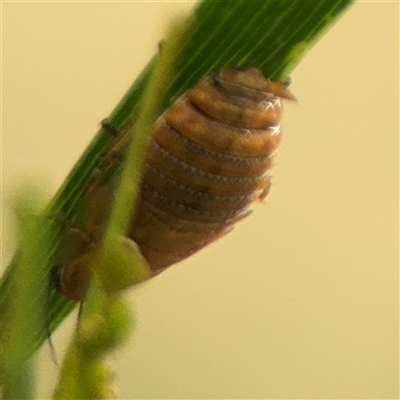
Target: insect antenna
(51, 285)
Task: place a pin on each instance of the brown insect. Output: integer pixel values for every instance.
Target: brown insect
(208, 161)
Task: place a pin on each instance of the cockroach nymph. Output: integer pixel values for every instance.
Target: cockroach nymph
(207, 163)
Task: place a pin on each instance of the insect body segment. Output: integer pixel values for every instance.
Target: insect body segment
(208, 161)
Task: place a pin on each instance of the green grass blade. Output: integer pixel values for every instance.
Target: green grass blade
(271, 34)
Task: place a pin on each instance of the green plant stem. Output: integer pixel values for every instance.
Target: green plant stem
(105, 319)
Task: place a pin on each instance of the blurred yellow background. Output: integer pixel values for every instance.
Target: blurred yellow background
(301, 300)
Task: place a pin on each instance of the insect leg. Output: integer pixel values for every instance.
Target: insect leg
(109, 127)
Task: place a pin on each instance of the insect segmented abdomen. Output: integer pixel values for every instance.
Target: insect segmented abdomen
(208, 161)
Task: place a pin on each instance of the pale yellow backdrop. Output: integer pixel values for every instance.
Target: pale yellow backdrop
(301, 300)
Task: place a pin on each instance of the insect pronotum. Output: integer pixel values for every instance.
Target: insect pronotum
(208, 161)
